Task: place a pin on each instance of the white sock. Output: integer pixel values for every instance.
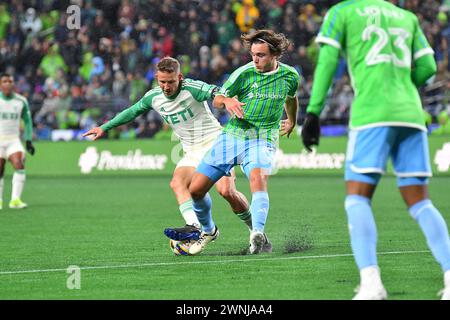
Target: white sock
(1, 188)
(370, 277)
(18, 182)
(188, 213)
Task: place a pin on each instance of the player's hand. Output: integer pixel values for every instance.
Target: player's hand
(234, 107)
(310, 131)
(287, 126)
(96, 133)
(30, 147)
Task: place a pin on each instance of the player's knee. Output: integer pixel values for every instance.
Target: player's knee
(176, 184)
(258, 182)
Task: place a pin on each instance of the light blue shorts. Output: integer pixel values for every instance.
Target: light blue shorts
(229, 151)
(368, 151)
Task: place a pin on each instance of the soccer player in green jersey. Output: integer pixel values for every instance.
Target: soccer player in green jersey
(182, 104)
(388, 58)
(13, 108)
(255, 95)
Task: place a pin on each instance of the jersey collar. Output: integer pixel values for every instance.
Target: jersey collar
(268, 73)
(7, 97)
(172, 97)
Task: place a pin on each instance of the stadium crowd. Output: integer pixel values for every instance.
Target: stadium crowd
(77, 78)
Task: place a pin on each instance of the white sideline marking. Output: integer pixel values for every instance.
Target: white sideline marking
(203, 262)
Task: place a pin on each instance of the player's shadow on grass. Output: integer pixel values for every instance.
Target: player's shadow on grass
(240, 252)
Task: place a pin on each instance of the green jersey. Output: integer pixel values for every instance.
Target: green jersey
(187, 112)
(380, 42)
(12, 110)
(264, 95)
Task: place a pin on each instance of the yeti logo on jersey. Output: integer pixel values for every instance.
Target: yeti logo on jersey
(442, 158)
(9, 116)
(178, 117)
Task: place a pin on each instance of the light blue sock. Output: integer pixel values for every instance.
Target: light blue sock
(435, 229)
(202, 209)
(363, 231)
(259, 209)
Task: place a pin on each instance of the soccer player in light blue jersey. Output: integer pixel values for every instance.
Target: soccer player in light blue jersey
(388, 58)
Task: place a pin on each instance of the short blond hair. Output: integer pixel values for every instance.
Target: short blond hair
(169, 65)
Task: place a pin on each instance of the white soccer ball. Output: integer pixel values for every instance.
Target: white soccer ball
(181, 248)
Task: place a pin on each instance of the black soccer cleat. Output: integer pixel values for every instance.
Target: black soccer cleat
(188, 232)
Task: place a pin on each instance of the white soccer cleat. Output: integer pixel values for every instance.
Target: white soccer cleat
(17, 204)
(201, 243)
(257, 241)
(370, 293)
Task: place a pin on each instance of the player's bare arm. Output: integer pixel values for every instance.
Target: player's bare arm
(232, 105)
(288, 125)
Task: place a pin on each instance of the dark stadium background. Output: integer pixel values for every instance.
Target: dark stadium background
(77, 79)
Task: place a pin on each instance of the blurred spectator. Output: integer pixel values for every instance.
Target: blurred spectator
(138, 86)
(444, 124)
(53, 61)
(87, 66)
(303, 62)
(32, 55)
(226, 31)
(310, 20)
(247, 15)
(5, 18)
(119, 86)
(31, 23)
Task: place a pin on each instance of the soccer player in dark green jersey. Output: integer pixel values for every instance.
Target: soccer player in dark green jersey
(255, 95)
(388, 58)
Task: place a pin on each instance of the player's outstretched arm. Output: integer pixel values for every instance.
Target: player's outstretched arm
(323, 76)
(96, 133)
(123, 117)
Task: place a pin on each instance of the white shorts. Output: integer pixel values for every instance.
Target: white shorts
(8, 147)
(193, 157)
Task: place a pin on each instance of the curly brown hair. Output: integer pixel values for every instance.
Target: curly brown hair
(277, 42)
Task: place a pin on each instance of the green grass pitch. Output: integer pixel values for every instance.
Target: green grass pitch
(112, 228)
